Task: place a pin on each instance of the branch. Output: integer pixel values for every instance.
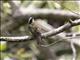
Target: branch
(33, 11)
(19, 38)
(73, 50)
(19, 9)
(45, 13)
(61, 29)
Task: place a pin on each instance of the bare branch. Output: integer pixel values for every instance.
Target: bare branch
(45, 13)
(73, 50)
(23, 11)
(19, 38)
(62, 28)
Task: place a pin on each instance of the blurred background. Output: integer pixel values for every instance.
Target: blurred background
(14, 17)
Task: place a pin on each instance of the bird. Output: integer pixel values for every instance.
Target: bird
(34, 30)
(37, 27)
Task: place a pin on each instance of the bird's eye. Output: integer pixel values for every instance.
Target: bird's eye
(31, 20)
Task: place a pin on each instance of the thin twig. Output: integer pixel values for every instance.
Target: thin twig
(73, 50)
(51, 43)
